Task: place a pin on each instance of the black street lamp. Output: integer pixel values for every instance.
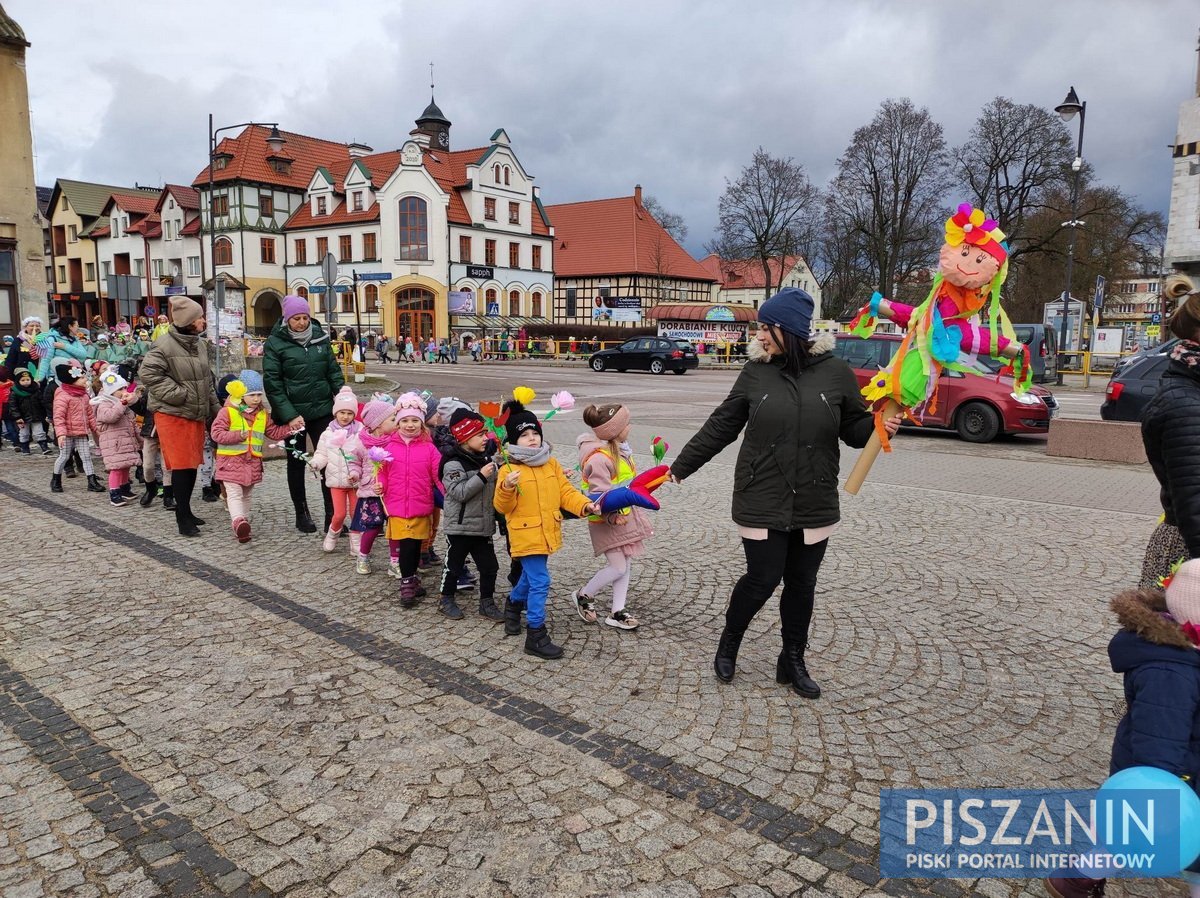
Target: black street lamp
(275, 141)
(1068, 109)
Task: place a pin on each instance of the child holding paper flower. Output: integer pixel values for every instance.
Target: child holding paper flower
(370, 453)
(333, 454)
(532, 495)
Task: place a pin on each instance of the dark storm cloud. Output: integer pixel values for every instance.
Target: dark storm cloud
(675, 96)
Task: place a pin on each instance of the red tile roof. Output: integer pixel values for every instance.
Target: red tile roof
(617, 236)
(746, 274)
(303, 217)
(133, 203)
(192, 228)
(187, 197)
(150, 225)
(249, 151)
(450, 171)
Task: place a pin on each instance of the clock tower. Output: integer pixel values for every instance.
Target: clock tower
(434, 124)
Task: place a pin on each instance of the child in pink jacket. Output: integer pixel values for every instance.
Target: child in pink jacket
(240, 428)
(374, 440)
(74, 420)
(120, 444)
(334, 451)
(408, 483)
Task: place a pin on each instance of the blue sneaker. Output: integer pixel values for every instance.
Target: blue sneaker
(465, 582)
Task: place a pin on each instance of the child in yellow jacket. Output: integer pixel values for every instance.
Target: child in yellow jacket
(532, 495)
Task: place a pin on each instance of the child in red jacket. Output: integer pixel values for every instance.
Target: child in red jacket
(74, 421)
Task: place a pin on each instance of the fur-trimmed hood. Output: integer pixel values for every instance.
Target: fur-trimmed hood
(1143, 612)
(822, 344)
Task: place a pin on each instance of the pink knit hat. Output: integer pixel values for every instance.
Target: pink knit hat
(345, 401)
(1183, 593)
(410, 405)
(295, 305)
(376, 412)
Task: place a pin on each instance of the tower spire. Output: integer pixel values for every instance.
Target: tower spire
(431, 82)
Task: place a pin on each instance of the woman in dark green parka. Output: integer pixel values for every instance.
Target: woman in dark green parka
(301, 375)
(796, 400)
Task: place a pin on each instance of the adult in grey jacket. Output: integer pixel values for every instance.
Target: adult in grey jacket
(468, 516)
(795, 399)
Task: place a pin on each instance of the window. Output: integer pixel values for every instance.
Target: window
(489, 209)
(62, 274)
(514, 213)
(223, 252)
(414, 229)
(170, 204)
(514, 255)
(267, 249)
(266, 203)
(72, 233)
(106, 267)
(506, 174)
(115, 227)
(302, 292)
(321, 205)
(301, 246)
(345, 248)
(464, 249)
(537, 258)
(571, 304)
(125, 223)
(347, 302)
(358, 201)
(90, 271)
(370, 254)
(139, 267)
(372, 297)
(220, 204)
(158, 269)
(49, 274)
(496, 172)
(605, 292)
(514, 303)
(489, 252)
(193, 266)
(536, 303)
(490, 297)
(322, 249)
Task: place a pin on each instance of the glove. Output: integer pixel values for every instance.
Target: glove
(638, 493)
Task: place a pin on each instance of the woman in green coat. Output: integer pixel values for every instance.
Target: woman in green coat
(796, 400)
(301, 376)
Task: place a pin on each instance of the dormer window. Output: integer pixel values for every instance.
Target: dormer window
(282, 166)
(321, 210)
(221, 160)
(358, 201)
(170, 204)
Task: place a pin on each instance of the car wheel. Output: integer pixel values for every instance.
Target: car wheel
(977, 422)
(597, 364)
(656, 366)
(681, 370)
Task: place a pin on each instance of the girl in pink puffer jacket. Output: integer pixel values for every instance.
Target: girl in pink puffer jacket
(120, 445)
(334, 451)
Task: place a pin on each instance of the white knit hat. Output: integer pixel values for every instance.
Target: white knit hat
(111, 381)
(1183, 593)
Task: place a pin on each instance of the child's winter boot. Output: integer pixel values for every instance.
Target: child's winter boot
(488, 609)
(94, 484)
(330, 541)
(408, 591)
(512, 619)
(537, 642)
(449, 607)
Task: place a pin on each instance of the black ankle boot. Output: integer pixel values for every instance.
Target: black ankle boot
(488, 609)
(151, 492)
(304, 521)
(56, 483)
(94, 484)
(791, 669)
(168, 495)
(538, 642)
(725, 664)
(512, 619)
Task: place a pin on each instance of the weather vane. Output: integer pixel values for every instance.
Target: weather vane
(431, 77)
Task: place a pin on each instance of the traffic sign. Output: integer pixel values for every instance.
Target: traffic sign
(175, 291)
(376, 276)
(1153, 330)
(329, 271)
(1098, 301)
(1156, 317)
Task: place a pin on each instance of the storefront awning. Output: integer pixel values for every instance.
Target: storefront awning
(700, 312)
(493, 322)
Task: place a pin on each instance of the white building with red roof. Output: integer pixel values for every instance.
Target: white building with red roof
(743, 283)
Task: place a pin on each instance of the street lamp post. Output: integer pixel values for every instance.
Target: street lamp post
(1068, 109)
(275, 141)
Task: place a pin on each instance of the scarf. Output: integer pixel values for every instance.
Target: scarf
(527, 455)
(303, 339)
(1187, 352)
(351, 429)
(73, 390)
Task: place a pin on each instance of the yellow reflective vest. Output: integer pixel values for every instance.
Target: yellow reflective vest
(625, 474)
(254, 442)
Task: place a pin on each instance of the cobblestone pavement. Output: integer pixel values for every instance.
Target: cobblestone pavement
(186, 717)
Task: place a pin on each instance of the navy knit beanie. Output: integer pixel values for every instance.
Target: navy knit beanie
(791, 309)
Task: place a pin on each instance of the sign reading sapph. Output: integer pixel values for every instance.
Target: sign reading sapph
(617, 308)
(481, 272)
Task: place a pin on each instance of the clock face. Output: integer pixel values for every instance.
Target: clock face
(443, 139)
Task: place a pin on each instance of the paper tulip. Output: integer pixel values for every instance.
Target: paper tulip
(489, 409)
(524, 395)
(379, 455)
(560, 401)
(659, 447)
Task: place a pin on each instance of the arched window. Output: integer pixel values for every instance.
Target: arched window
(514, 302)
(536, 302)
(414, 228)
(496, 172)
(506, 181)
(302, 292)
(492, 301)
(223, 251)
(372, 298)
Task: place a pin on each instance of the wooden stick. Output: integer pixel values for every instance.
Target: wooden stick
(867, 457)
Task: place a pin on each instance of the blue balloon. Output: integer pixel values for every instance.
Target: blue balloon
(1187, 827)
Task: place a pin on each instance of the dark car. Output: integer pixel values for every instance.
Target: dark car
(1126, 360)
(978, 408)
(1043, 350)
(1131, 388)
(653, 354)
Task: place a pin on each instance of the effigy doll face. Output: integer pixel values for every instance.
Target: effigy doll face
(967, 266)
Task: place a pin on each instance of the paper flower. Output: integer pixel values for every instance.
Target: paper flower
(561, 401)
(337, 438)
(489, 409)
(659, 447)
(524, 395)
(379, 455)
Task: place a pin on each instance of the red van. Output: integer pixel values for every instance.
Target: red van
(979, 408)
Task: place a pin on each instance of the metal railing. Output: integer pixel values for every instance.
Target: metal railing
(1089, 364)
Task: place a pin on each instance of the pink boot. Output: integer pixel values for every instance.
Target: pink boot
(241, 529)
(330, 542)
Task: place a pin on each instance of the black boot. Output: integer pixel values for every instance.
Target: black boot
(127, 491)
(168, 495)
(139, 475)
(69, 470)
(488, 609)
(791, 669)
(512, 619)
(151, 492)
(449, 607)
(94, 484)
(117, 498)
(210, 494)
(47, 449)
(56, 483)
(304, 521)
(537, 642)
(24, 449)
(186, 525)
(725, 663)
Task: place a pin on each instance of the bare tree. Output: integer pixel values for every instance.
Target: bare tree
(672, 223)
(839, 264)
(1012, 163)
(760, 215)
(889, 192)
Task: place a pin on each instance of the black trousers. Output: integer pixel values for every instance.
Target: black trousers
(183, 482)
(297, 468)
(781, 556)
(482, 553)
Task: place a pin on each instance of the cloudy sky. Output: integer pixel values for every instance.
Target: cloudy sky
(600, 96)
